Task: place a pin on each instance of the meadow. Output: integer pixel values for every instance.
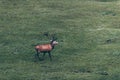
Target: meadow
(87, 31)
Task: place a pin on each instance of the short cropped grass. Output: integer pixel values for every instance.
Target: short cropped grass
(87, 31)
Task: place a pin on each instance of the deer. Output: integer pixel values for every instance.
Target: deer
(45, 48)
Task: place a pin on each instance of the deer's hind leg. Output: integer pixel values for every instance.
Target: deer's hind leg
(43, 55)
(37, 55)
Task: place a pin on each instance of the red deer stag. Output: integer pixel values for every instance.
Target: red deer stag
(45, 48)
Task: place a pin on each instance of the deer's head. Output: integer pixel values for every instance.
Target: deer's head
(53, 41)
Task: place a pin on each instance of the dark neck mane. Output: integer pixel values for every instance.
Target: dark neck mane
(51, 43)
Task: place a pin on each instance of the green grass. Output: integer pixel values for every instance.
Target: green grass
(82, 27)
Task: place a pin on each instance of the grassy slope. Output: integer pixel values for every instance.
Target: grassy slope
(82, 28)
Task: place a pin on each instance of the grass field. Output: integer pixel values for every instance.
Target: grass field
(88, 33)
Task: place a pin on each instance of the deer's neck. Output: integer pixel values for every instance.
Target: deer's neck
(52, 45)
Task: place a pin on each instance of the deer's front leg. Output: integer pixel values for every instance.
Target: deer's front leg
(50, 56)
